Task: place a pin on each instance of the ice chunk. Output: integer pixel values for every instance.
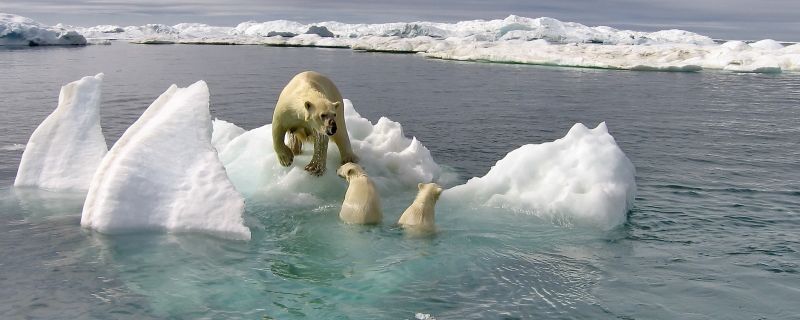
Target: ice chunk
(223, 132)
(583, 179)
(767, 44)
(21, 31)
(392, 160)
(164, 174)
(66, 148)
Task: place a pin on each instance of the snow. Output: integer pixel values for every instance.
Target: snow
(223, 132)
(581, 179)
(514, 39)
(394, 162)
(164, 174)
(21, 31)
(66, 148)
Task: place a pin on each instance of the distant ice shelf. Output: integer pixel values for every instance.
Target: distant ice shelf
(515, 39)
(21, 31)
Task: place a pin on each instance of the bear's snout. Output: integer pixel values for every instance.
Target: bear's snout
(331, 130)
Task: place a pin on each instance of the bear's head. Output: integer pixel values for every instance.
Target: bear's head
(350, 170)
(430, 189)
(321, 115)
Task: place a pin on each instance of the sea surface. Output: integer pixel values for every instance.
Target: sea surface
(714, 232)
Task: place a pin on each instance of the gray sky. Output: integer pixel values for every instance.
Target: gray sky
(726, 19)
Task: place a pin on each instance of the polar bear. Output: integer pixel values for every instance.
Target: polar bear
(362, 203)
(420, 214)
(310, 107)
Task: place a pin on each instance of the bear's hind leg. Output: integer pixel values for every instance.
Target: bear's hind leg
(296, 142)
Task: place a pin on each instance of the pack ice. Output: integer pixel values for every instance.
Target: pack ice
(21, 31)
(164, 174)
(515, 39)
(66, 148)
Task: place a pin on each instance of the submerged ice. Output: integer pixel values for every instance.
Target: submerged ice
(66, 148)
(164, 174)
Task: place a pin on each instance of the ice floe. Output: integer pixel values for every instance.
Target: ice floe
(393, 161)
(164, 174)
(515, 39)
(175, 169)
(21, 31)
(583, 178)
(66, 148)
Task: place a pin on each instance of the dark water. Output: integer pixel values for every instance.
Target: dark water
(713, 234)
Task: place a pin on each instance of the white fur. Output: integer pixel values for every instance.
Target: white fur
(420, 214)
(362, 203)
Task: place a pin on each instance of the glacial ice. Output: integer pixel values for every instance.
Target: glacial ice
(515, 39)
(66, 148)
(392, 160)
(164, 174)
(581, 179)
(21, 31)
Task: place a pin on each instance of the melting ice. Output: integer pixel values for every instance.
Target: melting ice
(175, 169)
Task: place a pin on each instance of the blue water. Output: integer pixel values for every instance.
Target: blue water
(713, 233)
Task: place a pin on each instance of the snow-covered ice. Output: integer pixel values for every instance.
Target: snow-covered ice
(21, 31)
(164, 174)
(66, 148)
(393, 161)
(583, 178)
(515, 39)
(175, 169)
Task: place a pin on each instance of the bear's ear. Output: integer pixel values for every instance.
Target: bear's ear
(336, 105)
(439, 191)
(420, 185)
(308, 106)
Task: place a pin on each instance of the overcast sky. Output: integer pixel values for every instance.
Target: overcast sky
(726, 19)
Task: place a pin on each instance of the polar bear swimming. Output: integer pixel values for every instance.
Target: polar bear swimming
(362, 203)
(420, 214)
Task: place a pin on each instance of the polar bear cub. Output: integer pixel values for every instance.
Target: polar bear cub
(362, 203)
(420, 214)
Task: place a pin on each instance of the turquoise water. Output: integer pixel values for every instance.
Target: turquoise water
(713, 233)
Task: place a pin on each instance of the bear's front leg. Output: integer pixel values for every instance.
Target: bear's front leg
(283, 152)
(317, 165)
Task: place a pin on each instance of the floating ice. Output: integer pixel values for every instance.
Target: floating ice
(66, 148)
(515, 39)
(223, 132)
(21, 31)
(392, 160)
(163, 173)
(582, 178)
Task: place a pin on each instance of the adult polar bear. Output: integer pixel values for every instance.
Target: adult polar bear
(310, 107)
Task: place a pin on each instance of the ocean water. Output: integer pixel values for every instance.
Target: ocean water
(713, 233)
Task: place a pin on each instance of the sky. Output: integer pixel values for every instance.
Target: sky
(721, 19)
